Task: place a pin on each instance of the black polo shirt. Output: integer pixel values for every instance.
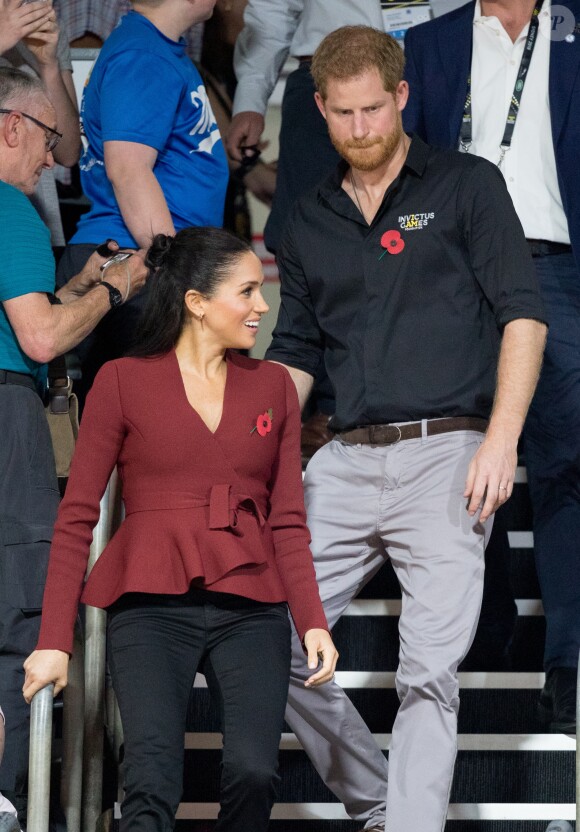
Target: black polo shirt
(407, 312)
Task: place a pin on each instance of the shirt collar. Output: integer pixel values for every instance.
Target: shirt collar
(416, 162)
(478, 17)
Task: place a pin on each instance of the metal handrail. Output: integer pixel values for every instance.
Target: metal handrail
(39, 761)
(83, 715)
(95, 660)
(71, 784)
(578, 748)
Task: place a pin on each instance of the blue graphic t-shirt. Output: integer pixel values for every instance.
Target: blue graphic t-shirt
(143, 88)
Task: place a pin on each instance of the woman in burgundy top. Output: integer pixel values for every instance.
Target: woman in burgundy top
(214, 547)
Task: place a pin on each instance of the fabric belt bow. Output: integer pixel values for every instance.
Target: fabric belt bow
(223, 502)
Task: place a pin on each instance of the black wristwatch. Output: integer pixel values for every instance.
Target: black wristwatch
(115, 297)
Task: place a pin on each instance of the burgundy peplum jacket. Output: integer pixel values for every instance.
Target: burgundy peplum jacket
(223, 509)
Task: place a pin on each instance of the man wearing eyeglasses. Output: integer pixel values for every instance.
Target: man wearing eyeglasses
(31, 40)
(35, 326)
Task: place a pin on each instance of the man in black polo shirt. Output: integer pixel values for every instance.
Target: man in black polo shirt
(408, 272)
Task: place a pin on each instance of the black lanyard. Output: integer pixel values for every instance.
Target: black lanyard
(466, 135)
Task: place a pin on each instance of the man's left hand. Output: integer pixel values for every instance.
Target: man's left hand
(490, 477)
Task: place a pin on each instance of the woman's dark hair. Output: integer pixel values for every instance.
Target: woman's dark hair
(196, 258)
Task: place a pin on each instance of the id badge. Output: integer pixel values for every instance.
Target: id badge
(399, 17)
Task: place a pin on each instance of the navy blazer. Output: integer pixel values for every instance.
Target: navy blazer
(438, 62)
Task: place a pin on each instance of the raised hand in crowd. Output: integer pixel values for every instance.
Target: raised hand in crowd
(42, 42)
(43, 39)
(20, 20)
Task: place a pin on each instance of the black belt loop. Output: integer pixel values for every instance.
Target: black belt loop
(391, 434)
(20, 379)
(546, 248)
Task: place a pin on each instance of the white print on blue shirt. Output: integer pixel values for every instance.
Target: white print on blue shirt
(206, 124)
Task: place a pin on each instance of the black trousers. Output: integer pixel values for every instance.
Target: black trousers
(29, 500)
(156, 644)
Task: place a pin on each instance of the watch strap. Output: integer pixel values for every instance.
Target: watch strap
(115, 296)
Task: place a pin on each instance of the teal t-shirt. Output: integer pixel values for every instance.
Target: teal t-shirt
(26, 265)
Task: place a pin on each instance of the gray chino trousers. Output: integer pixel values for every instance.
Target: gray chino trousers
(404, 502)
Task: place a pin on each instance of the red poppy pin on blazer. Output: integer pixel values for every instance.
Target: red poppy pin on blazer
(263, 423)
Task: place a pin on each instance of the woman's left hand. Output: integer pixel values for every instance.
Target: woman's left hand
(320, 646)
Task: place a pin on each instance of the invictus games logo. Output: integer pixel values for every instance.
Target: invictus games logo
(412, 222)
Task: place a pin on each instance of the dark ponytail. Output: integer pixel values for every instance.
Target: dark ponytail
(196, 258)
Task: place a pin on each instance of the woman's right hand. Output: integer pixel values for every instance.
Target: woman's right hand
(42, 668)
(320, 648)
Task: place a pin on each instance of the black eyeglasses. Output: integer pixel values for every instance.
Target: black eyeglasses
(52, 136)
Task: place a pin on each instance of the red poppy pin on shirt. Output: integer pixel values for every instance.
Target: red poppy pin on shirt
(392, 242)
(264, 423)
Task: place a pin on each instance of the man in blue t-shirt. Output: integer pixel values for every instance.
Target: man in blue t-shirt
(35, 326)
(154, 159)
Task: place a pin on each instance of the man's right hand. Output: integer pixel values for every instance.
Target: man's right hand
(127, 276)
(245, 131)
(18, 22)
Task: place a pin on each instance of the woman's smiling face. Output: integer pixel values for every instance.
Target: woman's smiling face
(232, 315)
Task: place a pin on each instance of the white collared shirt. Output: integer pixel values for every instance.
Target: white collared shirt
(529, 167)
(275, 28)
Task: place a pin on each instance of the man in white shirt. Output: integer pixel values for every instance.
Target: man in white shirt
(463, 70)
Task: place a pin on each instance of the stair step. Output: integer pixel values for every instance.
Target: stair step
(392, 607)
(372, 643)
(523, 577)
(498, 710)
(212, 741)
(352, 826)
(322, 817)
(513, 777)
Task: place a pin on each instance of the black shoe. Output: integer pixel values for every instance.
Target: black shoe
(557, 703)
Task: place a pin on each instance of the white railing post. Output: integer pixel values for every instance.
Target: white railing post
(95, 659)
(578, 748)
(39, 761)
(73, 719)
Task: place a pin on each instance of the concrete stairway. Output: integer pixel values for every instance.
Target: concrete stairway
(511, 776)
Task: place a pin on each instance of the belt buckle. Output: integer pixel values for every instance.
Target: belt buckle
(376, 430)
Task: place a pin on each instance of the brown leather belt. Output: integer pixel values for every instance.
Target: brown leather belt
(304, 59)
(391, 434)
